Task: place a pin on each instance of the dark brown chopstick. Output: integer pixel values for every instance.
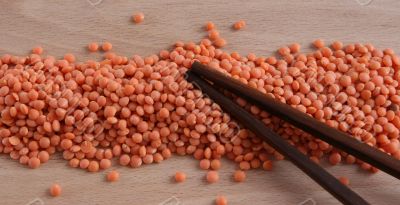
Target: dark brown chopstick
(297, 118)
(317, 173)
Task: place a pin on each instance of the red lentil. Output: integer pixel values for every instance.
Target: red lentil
(239, 25)
(239, 176)
(209, 26)
(34, 162)
(112, 176)
(212, 177)
(180, 177)
(344, 180)
(138, 17)
(219, 42)
(205, 164)
(55, 190)
(107, 46)
(294, 48)
(267, 165)
(37, 50)
(221, 200)
(93, 47)
(141, 110)
(215, 164)
(319, 43)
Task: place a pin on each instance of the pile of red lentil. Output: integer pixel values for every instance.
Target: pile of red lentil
(142, 110)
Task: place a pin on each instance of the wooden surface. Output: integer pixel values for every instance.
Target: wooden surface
(68, 26)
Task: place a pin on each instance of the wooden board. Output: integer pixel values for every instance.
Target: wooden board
(68, 26)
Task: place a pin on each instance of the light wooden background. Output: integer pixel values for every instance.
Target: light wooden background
(68, 26)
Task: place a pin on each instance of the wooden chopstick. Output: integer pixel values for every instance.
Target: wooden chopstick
(317, 173)
(297, 118)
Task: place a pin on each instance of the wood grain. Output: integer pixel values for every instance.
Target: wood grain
(68, 26)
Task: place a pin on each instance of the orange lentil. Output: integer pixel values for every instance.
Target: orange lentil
(314, 159)
(212, 177)
(319, 43)
(267, 165)
(334, 158)
(209, 26)
(344, 180)
(164, 113)
(219, 42)
(14, 140)
(337, 45)
(124, 159)
(205, 164)
(106, 46)
(244, 165)
(37, 50)
(105, 163)
(93, 166)
(239, 25)
(294, 48)
(84, 163)
(55, 190)
(148, 159)
(93, 47)
(69, 57)
(221, 200)
(215, 164)
(138, 17)
(239, 176)
(112, 176)
(74, 162)
(43, 156)
(136, 161)
(180, 176)
(34, 162)
(284, 51)
(213, 34)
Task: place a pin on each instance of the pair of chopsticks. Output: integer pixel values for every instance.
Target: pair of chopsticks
(198, 74)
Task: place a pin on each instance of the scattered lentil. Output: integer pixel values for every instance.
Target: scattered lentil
(112, 176)
(93, 47)
(55, 190)
(107, 46)
(138, 18)
(221, 200)
(239, 176)
(212, 177)
(239, 25)
(180, 177)
(344, 180)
